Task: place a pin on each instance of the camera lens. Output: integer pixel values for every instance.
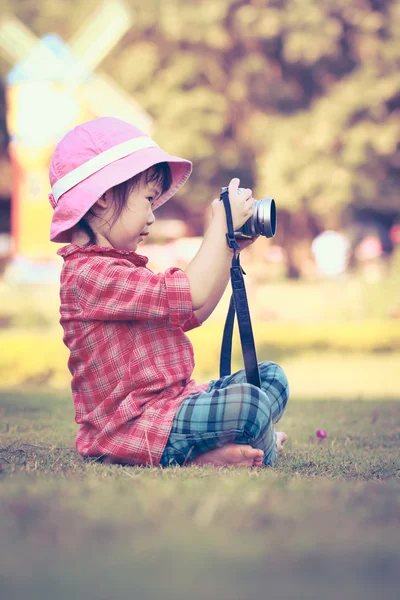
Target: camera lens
(266, 217)
(263, 220)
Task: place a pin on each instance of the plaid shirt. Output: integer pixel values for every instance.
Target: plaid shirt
(130, 361)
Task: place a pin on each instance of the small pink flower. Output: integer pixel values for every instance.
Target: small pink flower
(321, 434)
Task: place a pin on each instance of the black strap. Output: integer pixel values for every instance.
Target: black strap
(239, 304)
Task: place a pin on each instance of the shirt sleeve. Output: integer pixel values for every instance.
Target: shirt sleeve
(191, 323)
(111, 291)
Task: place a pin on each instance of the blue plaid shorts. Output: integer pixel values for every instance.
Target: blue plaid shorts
(229, 411)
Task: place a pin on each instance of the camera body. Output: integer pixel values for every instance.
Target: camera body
(262, 222)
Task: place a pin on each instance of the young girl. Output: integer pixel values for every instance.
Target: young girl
(130, 360)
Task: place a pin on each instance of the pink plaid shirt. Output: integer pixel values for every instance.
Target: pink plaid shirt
(130, 361)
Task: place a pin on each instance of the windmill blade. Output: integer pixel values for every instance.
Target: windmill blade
(101, 93)
(101, 33)
(16, 40)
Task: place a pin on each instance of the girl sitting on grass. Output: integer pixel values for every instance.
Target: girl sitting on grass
(130, 360)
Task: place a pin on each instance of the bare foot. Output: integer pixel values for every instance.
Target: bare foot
(281, 438)
(236, 455)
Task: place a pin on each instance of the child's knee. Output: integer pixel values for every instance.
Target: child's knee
(272, 374)
(255, 411)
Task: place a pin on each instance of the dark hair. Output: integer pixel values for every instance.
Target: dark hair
(159, 174)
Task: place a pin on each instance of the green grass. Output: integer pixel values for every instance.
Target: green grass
(323, 523)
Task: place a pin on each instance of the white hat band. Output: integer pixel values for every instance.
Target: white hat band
(98, 162)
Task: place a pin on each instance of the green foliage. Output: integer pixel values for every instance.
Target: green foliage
(299, 98)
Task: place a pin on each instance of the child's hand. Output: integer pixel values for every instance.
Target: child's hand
(243, 243)
(241, 204)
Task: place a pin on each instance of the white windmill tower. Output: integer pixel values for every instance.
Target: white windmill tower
(51, 88)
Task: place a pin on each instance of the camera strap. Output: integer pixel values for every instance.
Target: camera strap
(238, 304)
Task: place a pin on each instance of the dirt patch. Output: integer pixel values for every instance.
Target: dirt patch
(20, 457)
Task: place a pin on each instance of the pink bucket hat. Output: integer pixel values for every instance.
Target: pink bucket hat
(95, 156)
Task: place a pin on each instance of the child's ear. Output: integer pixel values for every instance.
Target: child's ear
(104, 201)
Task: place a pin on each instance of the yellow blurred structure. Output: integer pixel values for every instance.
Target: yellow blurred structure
(51, 89)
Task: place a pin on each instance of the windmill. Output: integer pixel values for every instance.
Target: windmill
(52, 87)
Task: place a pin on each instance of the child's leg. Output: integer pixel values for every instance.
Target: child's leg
(273, 382)
(231, 410)
(275, 385)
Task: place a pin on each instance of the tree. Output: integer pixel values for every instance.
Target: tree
(299, 98)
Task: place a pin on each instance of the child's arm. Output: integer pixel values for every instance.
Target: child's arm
(205, 311)
(208, 272)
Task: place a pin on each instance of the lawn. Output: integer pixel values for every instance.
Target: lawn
(325, 522)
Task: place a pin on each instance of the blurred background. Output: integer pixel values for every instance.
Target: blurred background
(300, 99)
